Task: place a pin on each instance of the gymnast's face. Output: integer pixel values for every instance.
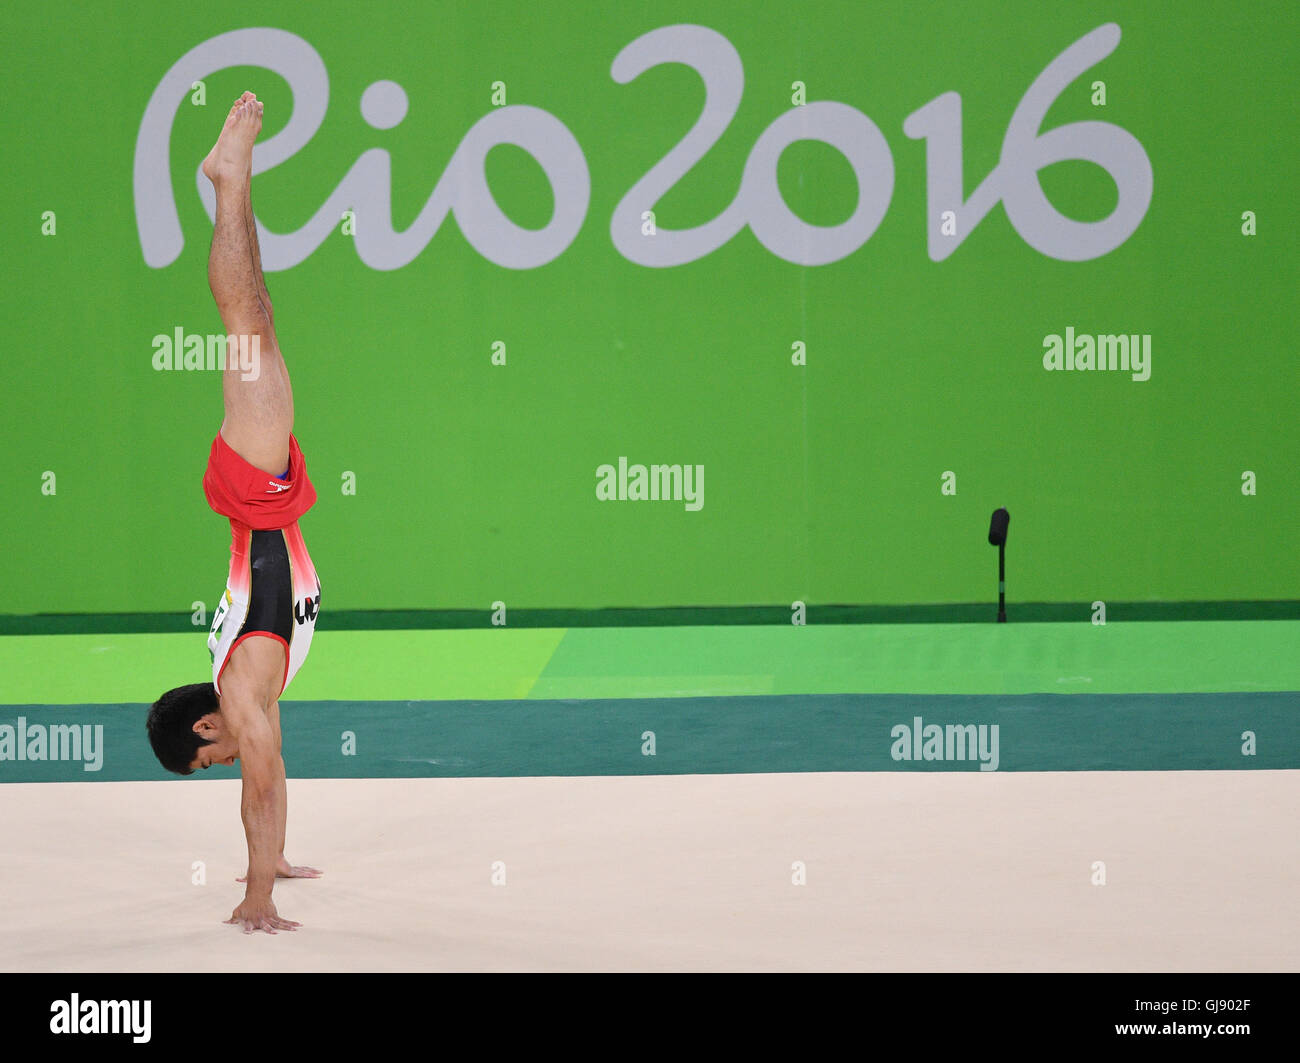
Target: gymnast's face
(223, 749)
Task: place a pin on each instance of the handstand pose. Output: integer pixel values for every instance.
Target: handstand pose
(256, 476)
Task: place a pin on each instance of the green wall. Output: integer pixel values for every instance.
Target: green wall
(477, 482)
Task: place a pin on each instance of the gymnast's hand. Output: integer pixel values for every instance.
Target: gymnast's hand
(283, 869)
(260, 914)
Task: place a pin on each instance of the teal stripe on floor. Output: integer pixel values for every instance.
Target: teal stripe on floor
(783, 733)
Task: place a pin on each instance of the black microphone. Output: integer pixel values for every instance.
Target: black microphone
(998, 527)
(998, 538)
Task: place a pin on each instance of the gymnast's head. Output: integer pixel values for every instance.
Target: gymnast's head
(187, 731)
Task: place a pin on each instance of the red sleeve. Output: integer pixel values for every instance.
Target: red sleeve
(245, 493)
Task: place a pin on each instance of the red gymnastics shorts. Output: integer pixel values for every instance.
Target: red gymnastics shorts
(254, 498)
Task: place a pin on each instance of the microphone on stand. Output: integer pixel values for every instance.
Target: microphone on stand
(998, 538)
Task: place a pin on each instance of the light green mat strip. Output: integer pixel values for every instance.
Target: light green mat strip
(1189, 657)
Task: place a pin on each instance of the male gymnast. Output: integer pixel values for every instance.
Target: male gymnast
(256, 476)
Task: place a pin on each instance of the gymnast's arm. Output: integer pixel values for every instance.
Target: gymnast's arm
(244, 706)
(263, 795)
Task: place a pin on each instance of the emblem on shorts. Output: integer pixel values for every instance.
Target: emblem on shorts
(277, 488)
(306, 609)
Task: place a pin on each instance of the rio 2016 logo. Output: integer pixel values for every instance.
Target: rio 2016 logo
(463, 189)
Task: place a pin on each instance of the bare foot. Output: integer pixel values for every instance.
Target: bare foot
(231, 158)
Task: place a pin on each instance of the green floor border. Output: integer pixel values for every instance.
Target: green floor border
(676, 616)
(678, 662)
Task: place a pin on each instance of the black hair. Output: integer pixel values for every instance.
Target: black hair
(171, 725)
